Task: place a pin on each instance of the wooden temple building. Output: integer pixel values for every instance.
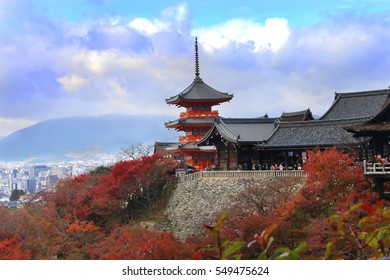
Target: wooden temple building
(305, 115)
(353, 120)
(269, 141)
(236, 140)
(290, 140)
(377, 165)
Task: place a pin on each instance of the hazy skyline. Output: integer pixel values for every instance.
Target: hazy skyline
(95, 57)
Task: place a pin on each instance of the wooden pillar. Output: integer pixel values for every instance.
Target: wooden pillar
(379, 186)
(228, 157)
(285, 159)
(218, 161)
(250, 156)
(260, 156)
(378, 146)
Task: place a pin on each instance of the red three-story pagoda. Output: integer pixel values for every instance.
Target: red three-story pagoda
(198, 99)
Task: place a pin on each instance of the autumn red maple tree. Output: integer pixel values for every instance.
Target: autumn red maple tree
(84, 210)
(11, 248)
(92, 216)
(334, 182)
(140, 243)
(130, 188)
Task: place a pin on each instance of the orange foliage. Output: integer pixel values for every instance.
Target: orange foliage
(130, 186)
(80, 234)
(38, 228)
(72, 198)
(82, 227)
(11, 248)
(334, 177)
(135, 243)
(86, 217)
(334, 183)
(259, 207)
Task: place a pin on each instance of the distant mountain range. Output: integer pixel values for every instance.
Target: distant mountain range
(66, 138)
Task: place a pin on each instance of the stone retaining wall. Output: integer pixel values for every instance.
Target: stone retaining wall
(200, 201)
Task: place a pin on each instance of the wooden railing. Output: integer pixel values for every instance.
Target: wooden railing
(198, 114)
(377, 169)
(190, 138)
(241, 174)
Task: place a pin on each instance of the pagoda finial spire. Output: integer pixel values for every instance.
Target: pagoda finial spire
(196, 58)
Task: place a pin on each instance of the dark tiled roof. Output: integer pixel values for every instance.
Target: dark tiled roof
(241, 130)
(199, 91)
(367, 129)
(352, 105)
(296, 116)
(384, 113)
(378, 124)
(190, 121)
(311, 134)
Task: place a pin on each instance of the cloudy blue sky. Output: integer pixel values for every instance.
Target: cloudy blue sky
(95, 57)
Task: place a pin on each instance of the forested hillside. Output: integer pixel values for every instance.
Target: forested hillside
(335, 215)
(82, 137)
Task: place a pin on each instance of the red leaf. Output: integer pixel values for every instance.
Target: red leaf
(366, 206)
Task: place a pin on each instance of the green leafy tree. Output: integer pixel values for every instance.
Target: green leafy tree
(222, 248)
(100, 170)
(16, 194)
(365, 228)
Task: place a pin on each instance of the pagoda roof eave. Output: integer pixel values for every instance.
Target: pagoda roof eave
(190, 122)
(198, 91)
(181, 102)
(190, 147)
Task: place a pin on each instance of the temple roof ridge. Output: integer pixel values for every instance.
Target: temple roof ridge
(248, 120)
(356, 104)
(316, 133)
(303, 115)
(361, 93)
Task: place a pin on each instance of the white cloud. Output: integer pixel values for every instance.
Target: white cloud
(149, 27)
(173, 16)
(112, 66)
(270, 36)
(337, 41)
(117, 92)
(72, 82)
(101, 63)
(179, 13)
